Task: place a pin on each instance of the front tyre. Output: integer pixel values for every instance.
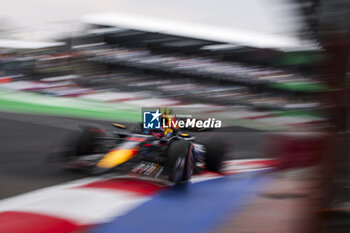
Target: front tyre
(180, 161)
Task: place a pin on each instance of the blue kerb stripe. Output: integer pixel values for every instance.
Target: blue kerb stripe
(192, 208)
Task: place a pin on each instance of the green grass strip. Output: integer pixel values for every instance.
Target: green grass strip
(63, 106)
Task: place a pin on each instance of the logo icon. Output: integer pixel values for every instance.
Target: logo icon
(151, 120)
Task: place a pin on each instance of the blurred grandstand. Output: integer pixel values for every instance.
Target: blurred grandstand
(160, 64)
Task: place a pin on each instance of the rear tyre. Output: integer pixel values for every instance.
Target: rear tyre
(74, 144)
(86, 143)
(180, 161)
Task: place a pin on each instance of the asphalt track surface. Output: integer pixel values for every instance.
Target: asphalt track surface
(25, 140)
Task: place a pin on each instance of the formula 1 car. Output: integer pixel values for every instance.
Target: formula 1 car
(97, 151)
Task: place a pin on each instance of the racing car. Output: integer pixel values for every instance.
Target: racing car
(97, 151)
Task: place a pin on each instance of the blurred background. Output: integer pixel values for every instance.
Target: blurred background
(275, 71)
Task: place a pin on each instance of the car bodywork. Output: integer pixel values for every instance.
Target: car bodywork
(96, 151)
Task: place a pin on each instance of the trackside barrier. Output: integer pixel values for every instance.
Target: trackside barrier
(296, 150)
